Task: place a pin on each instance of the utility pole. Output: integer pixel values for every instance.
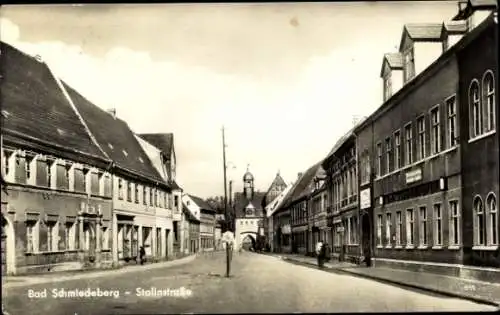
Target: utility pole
(228, 249)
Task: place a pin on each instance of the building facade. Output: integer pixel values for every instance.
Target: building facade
(56, 196)
(317, 216)
(249, 214)
(419, 175)
(276, 188)
(207, 222)
(342, 196)
(270, 210)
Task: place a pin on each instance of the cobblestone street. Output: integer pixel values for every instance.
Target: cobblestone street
(259, 284)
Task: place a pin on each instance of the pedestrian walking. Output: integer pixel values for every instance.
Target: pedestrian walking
(142, 255)
(319, 253)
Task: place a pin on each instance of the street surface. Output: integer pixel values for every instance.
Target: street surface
(259, 284)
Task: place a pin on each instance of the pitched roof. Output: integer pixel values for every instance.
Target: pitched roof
(278, 201)
(163, 141)
(191, 216)
(201, 203)
(115, 138)
(277, 181)
(305, 181)
(241, 201)
(424, 31)
(472, 5)
(395, 61)
(344, 138)
(34, 105)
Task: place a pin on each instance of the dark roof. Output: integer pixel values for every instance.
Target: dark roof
(201, 203)
(304, 182)
(395, 61)
(424, 31)
(472, 5)
(163, 141)
(456, 27)
(34, 105)
(241, 201)
(115, 138)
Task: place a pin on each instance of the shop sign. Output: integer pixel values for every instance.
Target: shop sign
(413, 176)
(365, 198)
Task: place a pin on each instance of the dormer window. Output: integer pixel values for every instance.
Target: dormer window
(409, 64)
(387, 86)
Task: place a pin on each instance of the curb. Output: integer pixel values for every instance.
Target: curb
(98, 273)
(403, 284)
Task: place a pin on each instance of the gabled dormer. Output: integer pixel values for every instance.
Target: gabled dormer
(421, 44)
(391, 74)
(455, 30)
(474, 12)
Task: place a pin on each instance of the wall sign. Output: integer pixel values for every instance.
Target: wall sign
(413, 176)
(365, 198)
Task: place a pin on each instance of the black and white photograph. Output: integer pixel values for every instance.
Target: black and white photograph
(225, 158)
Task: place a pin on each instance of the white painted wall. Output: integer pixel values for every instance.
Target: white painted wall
(477, 18)
(425, 54)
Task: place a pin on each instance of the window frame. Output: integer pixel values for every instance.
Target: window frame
(437, 219)
(436, 147)
(454, 234)
(423, 240)
(408, 152)
(490, 109)
(475, 109)
(452, 134)
(399, 228)
(410, 227)
(379, 158)
(388, 229)
(397, 149)
(492, 225)
(388, 154)
(421, 138)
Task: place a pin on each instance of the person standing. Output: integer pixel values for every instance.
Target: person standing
(319, 253)
(142, 255)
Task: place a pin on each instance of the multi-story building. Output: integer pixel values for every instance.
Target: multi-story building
(342, 192)
(317, 215)
(56, 201)
(207, 223)
(476, 132)
(298, 202)
(419, 174)
(270, 210)
(276, 188)
(192, 212)
(249, 213)
(165, 143)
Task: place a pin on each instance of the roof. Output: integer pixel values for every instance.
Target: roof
(424, 31)
(278, 201)
(277, 181)
(201, 203)
(241, 201)
(345, 137)
(456, 27)
(34, 105)
(190, 215)
(115, 138)
(163, 141)
(302, 189)
(395, 61)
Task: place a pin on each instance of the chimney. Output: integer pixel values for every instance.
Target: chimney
(112, 112)
(299, 175)
(455, 30)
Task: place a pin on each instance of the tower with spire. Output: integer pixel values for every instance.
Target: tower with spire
(248, 185)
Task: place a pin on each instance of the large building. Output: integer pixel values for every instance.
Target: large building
(249, 213)
(420, 171)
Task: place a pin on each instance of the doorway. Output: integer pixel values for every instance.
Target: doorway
(4, 246)
(366, 233)
(166, 242)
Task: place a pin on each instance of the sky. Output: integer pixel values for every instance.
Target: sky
(285, 80)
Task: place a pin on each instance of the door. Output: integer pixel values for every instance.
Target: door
(366, 238)
(166, 242)
(158, 242)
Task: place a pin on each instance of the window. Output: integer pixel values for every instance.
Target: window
(408, 148)
(479, 222)
(129, 191)
(27, 166)
(52, 240)
(399, 228)
(421, 138)
(85, 173)
(136, 193)
(144, 195)
(388, 154)
(397, 150)
(120, 188)
(438, 228)
(475, 109)
(491, 206)
(435, 131)
(176, 202)
(151, 198)
(49, 174)
(165, 200)
(388, 226)
(409, 64)
(451, 108)
(488, 88)
(105, 237)
(423, 226)
(69, 236)
(379, 159)
(31, 236)
(410, 228)
(66, 173)
(454, 223)
(387, 86)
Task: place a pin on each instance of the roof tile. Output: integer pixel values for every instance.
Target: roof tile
(163, 141)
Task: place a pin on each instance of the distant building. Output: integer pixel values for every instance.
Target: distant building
(249, 213)
(275, 189)
(207, 221)
(270, 210)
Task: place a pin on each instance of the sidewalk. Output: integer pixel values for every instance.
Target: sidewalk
(477, 291)
(19, 281)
